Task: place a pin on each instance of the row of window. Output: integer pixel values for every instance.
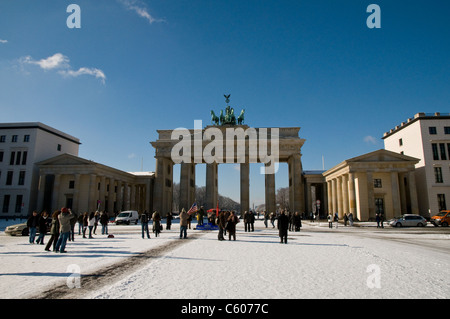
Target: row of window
(433, 131)
(438, 175)
(15, 138)
(16, 157)
(7, 201)
(440, 151)
(10, 178)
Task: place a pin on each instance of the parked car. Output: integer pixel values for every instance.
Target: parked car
(127, 217)
(17, 230)
(442, 218)
(408, 220)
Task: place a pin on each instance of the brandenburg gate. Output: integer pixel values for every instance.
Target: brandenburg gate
(227, 140)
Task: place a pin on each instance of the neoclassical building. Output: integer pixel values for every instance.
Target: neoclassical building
(84, 186)
(378, 182)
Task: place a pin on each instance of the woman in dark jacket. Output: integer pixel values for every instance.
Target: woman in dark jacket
(42, 223)
(231, 225)
(54, 231)
(283, 225)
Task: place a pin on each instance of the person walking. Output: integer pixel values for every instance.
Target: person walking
(283, 226)
(221, 222)
(231, 225)
(330, 221)
(336, 219)
(156, 217)
(184, 217)
(32, 223)
(42, 227)
(91, 223)
(144, 224)
(297, 221)
(85, 223)
(266, 218)
(345, 220)
(273, 216)
(246, 217)
(80, 223)
(54, 231)
(169, 220)
(73, 221)
(252, 221)
(104, 220)
(64, 229)
(350, 219)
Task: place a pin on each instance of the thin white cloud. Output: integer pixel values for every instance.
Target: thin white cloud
(55, 61)
(61, 62)
(140, 9)
(88, 71)
(370, 140)
(132, 155)
(3, 41)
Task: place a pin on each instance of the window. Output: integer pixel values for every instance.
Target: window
(6, 200)
(447, 129)
(19, 199)
(1, 156)
(400, 142)
(59, 147)
(18, 158)
(442, 149)
(441, 202)
(26, 138)
(432, 130)
(24, 158)
(9, 178)
(438, 175)
(11, 159)
(71, 184)
(14, 139)
(379, 206)
(435, 152)
(377, 183)
(22, 178)
(2, 138)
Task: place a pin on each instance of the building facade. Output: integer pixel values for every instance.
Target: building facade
(85, 186)
(22, 145)
(426, 137)
(377, 182)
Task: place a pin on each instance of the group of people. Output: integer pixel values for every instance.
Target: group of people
(62, 227)
(348, 219)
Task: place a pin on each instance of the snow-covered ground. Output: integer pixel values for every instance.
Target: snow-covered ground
(318, 262)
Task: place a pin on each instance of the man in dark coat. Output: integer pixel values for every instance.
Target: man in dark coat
(283, 225)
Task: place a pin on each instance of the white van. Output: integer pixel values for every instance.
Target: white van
(127, 217)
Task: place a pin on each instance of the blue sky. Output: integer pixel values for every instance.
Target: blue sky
(136, 66)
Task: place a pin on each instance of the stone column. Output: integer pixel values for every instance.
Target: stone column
(351, 194)
(163, 192)
(41, 192)
(296, 191)
(102, 194)
(339, 196)
(92, 193)
(211, 185)
(345, 200)
(111, 199)
(132, 196)
(413, 193)
(370, 196)
(334, 196)
(187, 175)
(330, 197)
(396, 200)
(125, 202)
(245, 187)
(76, 194)
(270, 193)
(55, 194)
(119, 196)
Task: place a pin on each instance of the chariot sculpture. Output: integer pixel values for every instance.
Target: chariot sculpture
(227, 118)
